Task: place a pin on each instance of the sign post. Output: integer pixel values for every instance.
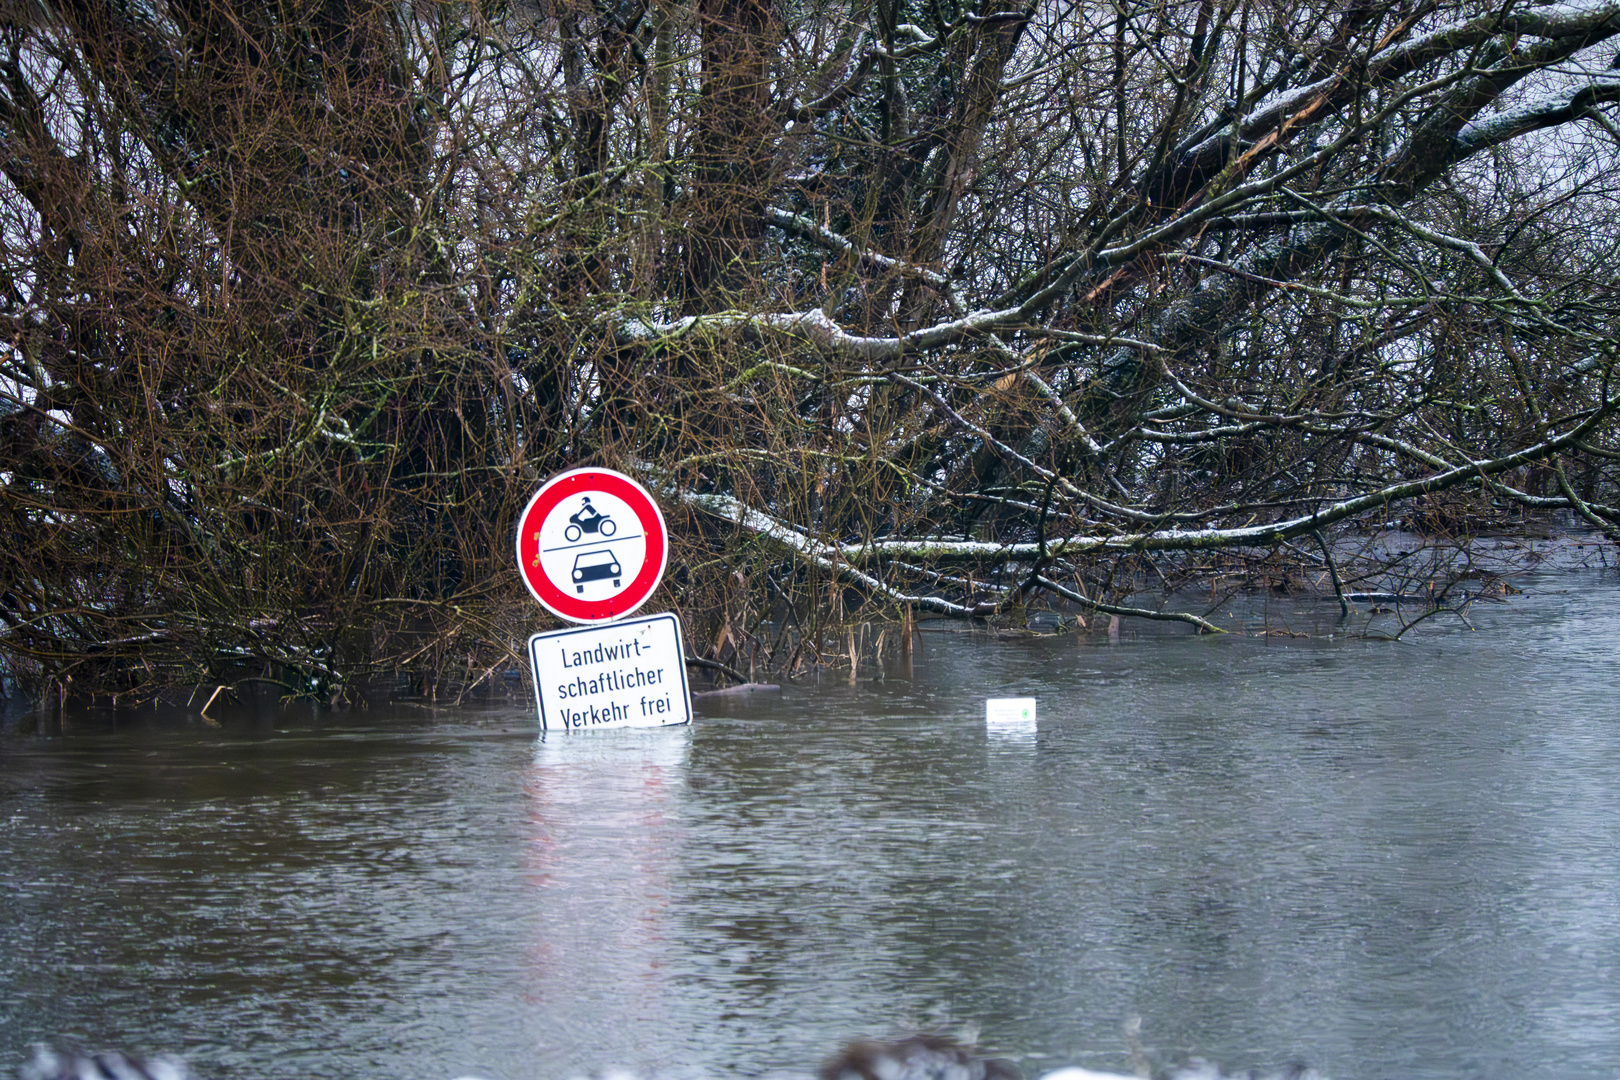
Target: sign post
(592, 546)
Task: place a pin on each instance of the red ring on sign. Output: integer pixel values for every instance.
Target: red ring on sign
(583, 482)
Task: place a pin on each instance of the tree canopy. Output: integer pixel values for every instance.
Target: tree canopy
(947, 305)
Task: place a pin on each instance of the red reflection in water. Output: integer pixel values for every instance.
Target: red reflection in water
(603, 849)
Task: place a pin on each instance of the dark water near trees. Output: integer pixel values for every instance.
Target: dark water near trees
(1387, 859)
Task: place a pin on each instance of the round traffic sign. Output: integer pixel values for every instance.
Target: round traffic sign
(592, 545)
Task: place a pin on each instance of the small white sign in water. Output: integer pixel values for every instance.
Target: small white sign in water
(1010, 714)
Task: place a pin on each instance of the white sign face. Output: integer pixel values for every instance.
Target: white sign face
(591, 545)
(624, 674)
(1010, 714)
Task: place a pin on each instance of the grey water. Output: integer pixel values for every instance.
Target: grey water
(1388, 859)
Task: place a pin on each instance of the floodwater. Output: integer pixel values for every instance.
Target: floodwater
(1386, 859)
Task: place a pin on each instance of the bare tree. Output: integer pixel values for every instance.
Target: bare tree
(898, 304)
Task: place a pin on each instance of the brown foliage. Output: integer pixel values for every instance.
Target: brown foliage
(899, 306)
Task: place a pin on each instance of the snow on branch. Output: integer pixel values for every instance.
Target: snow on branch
(1545, 111)
(844, 558)
(817, 329)
(826, 556)
(830, 558)
(802, 226)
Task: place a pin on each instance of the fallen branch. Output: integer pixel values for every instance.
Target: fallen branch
(1204, 625)
(715, 665)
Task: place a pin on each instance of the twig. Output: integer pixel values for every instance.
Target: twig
(1204, 625)
(715, 665)
(1333, 572)
(204, 713)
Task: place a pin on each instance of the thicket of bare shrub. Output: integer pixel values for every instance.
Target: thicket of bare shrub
(899, 305)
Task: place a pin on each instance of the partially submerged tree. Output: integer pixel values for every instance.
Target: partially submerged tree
(897, 303)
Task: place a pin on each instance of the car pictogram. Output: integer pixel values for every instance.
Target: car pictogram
(595, 566)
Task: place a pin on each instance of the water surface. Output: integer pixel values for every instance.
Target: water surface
(1387, 859)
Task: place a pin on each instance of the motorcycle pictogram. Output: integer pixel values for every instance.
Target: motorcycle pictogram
(588, 519)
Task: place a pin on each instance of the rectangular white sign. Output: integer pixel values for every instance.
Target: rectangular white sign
(619, 674)
(1010, 714)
